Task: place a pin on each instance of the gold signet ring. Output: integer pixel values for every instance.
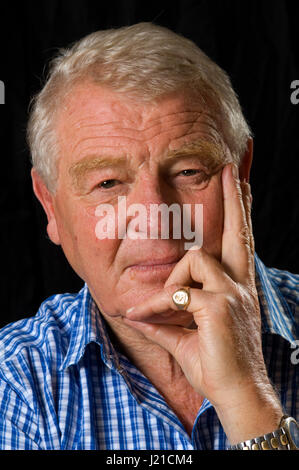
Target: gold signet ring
(181, 298)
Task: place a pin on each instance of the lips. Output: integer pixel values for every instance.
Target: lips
(155, 263)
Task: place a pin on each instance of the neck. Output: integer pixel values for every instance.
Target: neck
(161, 369)
(147, 356)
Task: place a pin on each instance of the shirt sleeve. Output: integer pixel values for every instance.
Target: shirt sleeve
(18, 423)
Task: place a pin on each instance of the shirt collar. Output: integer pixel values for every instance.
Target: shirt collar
(276, 314)
(87, 324)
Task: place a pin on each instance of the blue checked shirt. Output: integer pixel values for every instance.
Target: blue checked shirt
(63, 385)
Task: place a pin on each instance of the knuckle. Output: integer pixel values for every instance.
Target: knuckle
(195, 252)
(244, 236)
(247, 201)
(224, 303)
(170, 290)
(238, 192)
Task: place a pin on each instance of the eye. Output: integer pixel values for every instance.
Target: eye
(191, 177)
(189, 172)
(198, 175)
(107, 184)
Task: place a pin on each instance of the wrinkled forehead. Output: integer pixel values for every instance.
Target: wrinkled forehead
(93, 115)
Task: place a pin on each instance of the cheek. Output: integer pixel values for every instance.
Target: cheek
(213, 222)
(212, 201)
(94, 236)
(213, 219)
(80, 235)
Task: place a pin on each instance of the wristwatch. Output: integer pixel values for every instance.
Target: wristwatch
(286, 437)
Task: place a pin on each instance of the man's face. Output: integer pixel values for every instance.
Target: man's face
(152, 153)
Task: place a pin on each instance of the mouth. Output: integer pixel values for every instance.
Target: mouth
(157, 265)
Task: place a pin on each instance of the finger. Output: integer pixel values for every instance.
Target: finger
(236, 251)
(163, 302)
(200, 267)
(181, 343)
(166, 336)
(170, 337)
(247, 202)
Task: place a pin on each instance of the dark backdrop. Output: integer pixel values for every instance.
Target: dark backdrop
(255, 41)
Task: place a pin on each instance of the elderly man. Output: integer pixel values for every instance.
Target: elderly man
(167, 345)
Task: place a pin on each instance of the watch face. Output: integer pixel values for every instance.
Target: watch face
(294, 432)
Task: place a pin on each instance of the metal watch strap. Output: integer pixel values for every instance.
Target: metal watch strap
(276, 440)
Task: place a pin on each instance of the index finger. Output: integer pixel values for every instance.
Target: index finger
(237, 257)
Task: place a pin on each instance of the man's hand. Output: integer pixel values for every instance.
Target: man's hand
(222, 357)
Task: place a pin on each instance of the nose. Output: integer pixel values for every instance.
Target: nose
(150, 212)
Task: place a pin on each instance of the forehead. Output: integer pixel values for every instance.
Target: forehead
(87, 100)
(93, 117)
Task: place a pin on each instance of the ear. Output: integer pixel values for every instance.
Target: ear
(46, 199)
(245, 165)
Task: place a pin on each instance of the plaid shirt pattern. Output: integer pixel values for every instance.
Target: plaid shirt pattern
(64, 385)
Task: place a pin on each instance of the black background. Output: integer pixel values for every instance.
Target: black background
(255, 41)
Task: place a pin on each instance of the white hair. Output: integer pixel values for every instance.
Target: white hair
(144, 61)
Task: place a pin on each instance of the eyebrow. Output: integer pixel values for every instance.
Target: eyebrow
(90, 163)
(209, 153)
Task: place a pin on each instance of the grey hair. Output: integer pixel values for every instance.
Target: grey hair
(144, 61)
